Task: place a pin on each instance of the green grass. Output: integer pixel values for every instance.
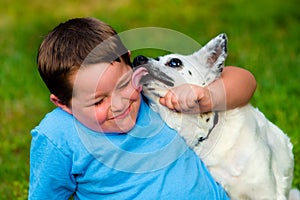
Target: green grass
(263, 38)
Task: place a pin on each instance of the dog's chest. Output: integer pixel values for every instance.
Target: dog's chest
(194, 128)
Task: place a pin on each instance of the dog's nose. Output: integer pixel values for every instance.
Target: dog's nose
(139, 60)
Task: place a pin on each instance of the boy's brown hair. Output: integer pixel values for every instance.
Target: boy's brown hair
(69, 45)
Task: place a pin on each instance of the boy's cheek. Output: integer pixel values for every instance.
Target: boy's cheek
(90, 117)
(100, 116)
(93, 123)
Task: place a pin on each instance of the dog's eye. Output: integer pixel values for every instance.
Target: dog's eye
(174, 62)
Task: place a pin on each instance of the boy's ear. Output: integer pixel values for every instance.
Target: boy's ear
(129, 53)
(59, 103)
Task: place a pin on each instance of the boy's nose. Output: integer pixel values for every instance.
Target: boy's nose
(139, 60)
(120, 100)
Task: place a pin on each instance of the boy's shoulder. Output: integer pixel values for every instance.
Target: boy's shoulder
(57, 118)
(56, 125)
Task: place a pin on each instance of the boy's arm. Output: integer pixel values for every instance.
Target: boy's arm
(234, 89)
(50, 173)
(239, 86)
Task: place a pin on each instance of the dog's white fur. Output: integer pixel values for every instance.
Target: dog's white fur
(247, 154)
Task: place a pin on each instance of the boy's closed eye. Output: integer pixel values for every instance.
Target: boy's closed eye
(124, 82)
(98, 102)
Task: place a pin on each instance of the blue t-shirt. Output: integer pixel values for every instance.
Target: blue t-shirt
(149, 162)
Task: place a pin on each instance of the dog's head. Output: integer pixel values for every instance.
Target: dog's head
(201, 68)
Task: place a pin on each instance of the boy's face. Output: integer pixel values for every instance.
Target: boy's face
(104, 99)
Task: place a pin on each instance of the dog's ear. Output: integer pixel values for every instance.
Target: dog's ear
(214, 53)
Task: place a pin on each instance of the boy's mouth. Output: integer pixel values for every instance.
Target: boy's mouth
(123, 114)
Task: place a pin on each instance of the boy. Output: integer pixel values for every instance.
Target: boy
(103, 141)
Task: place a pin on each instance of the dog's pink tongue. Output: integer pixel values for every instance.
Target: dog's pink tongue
(137, 76)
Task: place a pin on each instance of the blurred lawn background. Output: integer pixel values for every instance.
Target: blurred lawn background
(263, 38)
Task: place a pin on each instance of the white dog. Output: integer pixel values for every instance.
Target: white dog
(247, 154)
